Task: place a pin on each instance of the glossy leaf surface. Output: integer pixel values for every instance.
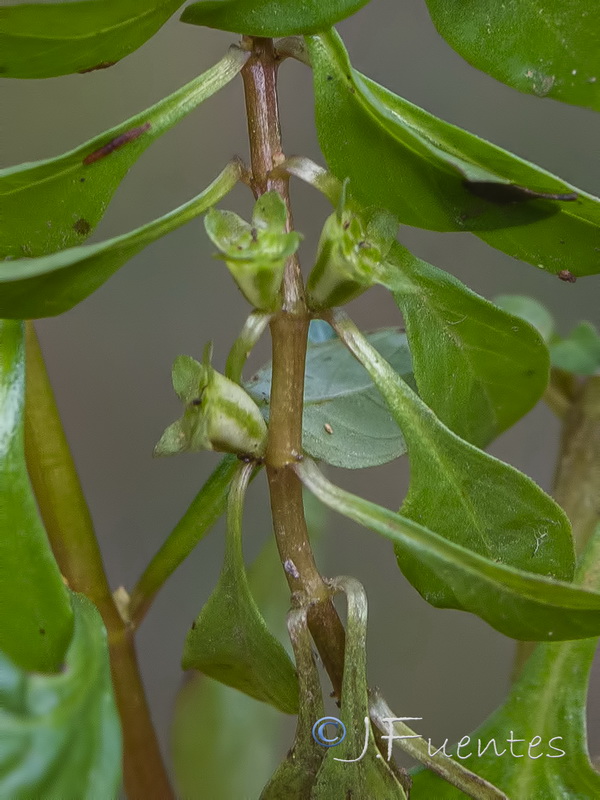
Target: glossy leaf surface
(270, 17)
(209, 764)
(42, 40)
(552, 51)
(516, 603)
(37, 619)
(229, 640)
(546, 708)
(54, 204)
(60, 735)
(478, 368)
(431, 174)
(345, 422)
(530, 310)
(464, 494)
(49, 285)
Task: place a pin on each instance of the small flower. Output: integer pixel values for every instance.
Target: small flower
(218, 415)
(352, 247)
(255, 253)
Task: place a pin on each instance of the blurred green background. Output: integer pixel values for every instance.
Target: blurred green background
(110, 357)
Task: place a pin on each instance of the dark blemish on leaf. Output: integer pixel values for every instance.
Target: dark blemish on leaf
(254, 234)
(81, 180)
(504, 193)
(82, 227)
(561, 241)
(117, 143)
(330, 77)
(567, 276)
(101, 65)
(194, 625)
(42, 631)
(529, 373)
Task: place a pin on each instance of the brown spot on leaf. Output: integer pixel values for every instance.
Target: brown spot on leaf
(42, 631)
(504, 193)
(101, 65)
(82, 227)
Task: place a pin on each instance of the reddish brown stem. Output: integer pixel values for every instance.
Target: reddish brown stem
(289, 331)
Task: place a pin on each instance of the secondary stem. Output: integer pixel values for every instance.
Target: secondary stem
(289, 331)
(71, 533)
(577, 479)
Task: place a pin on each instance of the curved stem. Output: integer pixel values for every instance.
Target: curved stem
(71, 533)
(206, 508)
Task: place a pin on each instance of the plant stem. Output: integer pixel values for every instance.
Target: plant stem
(289, 332)
(577, 479)
(71, 533)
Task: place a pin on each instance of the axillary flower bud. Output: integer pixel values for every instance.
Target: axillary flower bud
(218, 415)
(352, 247)
(255, 253)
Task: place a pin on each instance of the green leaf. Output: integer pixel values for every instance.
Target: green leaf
(553, 51)
(478, 368)
(516, 603)
(270, 17)
(42, 40)
(579, 352)
(37, 619)
(343, 773)
(211, 719)
(464, 494)
(345, 421)
(210, 722)
(60, 735)
(546, 707)
(434, 175)
(229, 640)
(48, 285)
(530, 310)
(53, 204)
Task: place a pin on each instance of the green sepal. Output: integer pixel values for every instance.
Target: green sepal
(219, 414)
(255, 253)
(229, 640)
(352, 248)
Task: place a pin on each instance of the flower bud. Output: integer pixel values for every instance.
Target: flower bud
(352, 247)
(255, 254)
(218, 415)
